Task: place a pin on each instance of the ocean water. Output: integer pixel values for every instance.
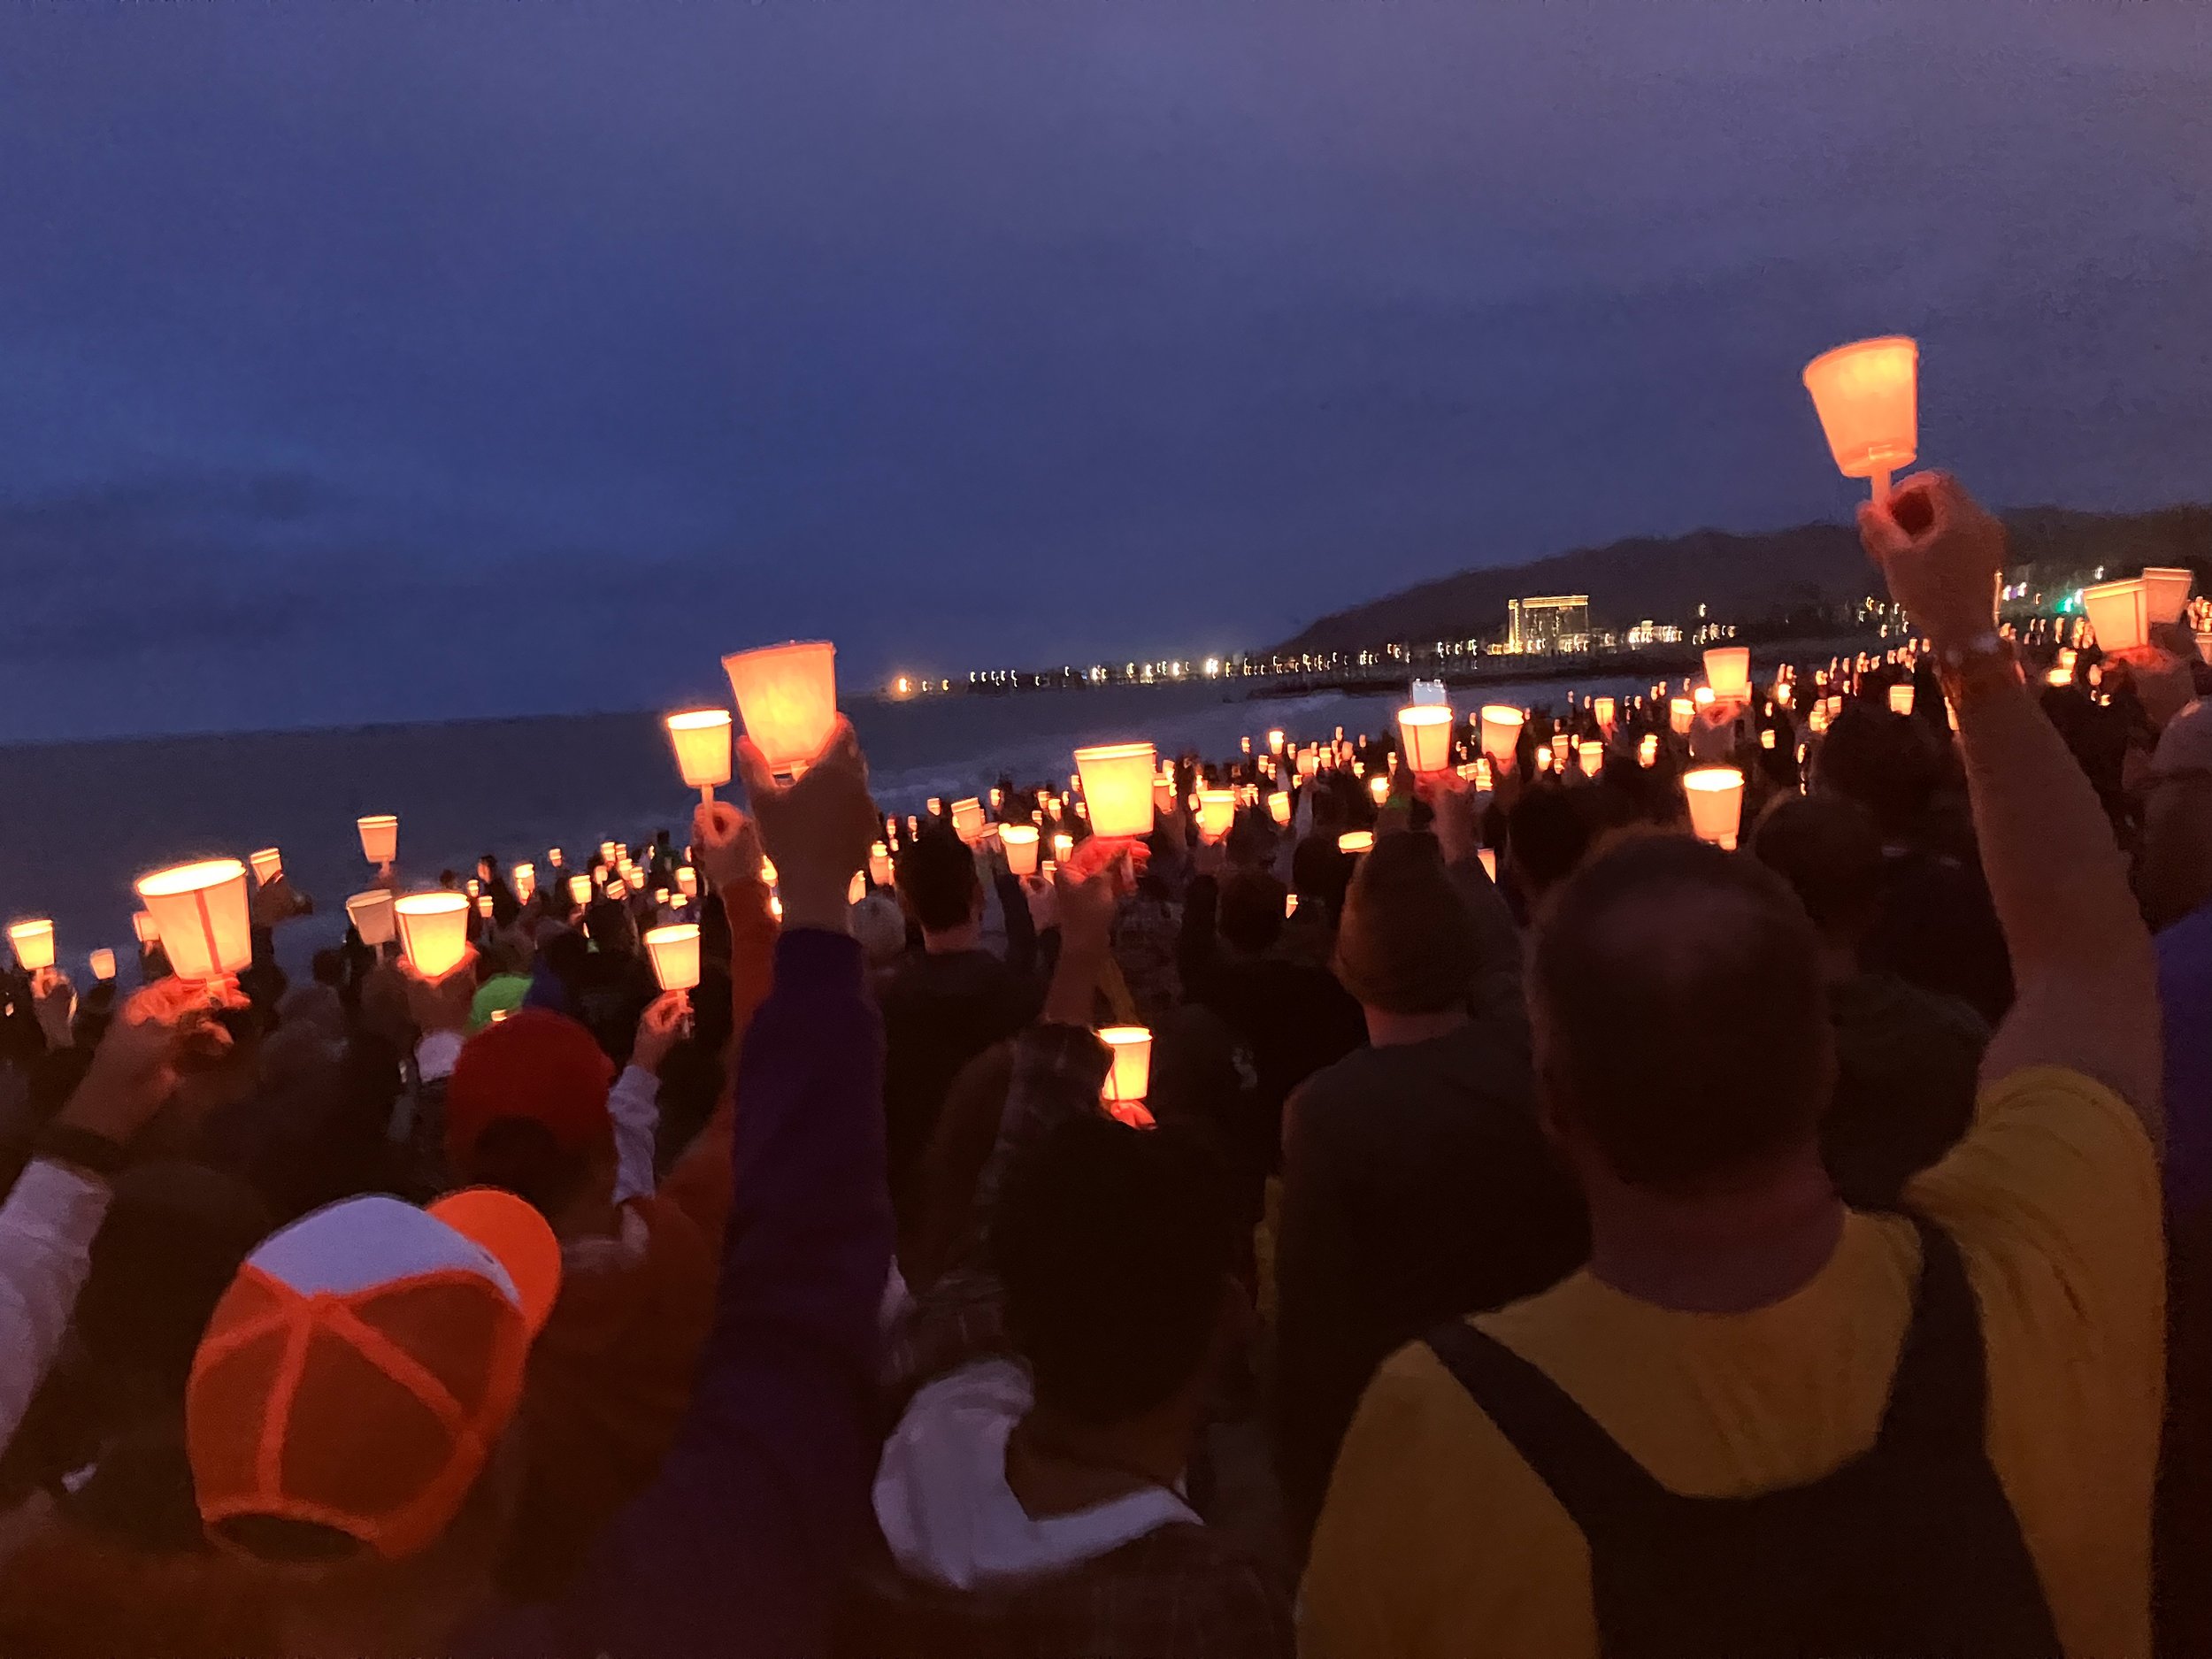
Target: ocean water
(79, 822)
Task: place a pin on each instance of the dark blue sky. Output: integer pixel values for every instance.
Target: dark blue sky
(405, 360)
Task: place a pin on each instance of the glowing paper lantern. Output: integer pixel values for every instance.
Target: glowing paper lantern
(1680, 712)
(1164, 793)
(1782, 693)
(1278, 806)
(471, 886)
(1356, 842)
(1728, 671)
(1020, 842)
(484, 906)
(702, 738)
(1560, 743)
(1602, 708)
(1543, 759)
(1063, 845)
(787, 695)
(967, 821)
(525, 880)
(1500, 733)
(33, 943)
(1290, 905)
(1424, 738)
(1117, 785)
(205, 921)
(1489, 861)
(2059, 677)
(674, 953)
(1716, 796)
(1378, 787)
(580, 890)
(149, 931)
(1216, 810)
(1901, 697)
(2120, 612)
(2170, 586)
(1647, 749)
(1868, 396)
(268, 864)
(879, 867)
(553, 857)
(103, 965)
(379, 838)
(1592, 757)
(1766, 737)
(1275, 743)
(434, 931)
(1130, 1073)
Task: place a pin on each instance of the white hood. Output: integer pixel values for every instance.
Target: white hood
(944, 1506)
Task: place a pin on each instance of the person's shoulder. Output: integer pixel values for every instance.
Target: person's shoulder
(2185, 947)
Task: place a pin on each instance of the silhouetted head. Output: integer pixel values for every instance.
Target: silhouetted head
(1679, 1020)
(1251, 915)
(937, 880)
(1889, 763)
(1829, 849)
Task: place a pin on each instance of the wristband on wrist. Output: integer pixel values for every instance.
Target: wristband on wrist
(1982, 663)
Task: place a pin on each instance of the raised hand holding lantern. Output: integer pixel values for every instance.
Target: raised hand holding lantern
(1868, 398)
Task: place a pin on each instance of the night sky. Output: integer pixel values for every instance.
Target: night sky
(395, 361)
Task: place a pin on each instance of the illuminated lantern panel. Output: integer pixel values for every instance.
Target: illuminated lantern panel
(1117, 785)
(33, 942)
(967, 819)
(701, 740)
(1020, 842)
(103, 963)
(1424, 737)
(2169, 589)
(268, 864)
(370, 913)
(1501, 732)
(1868, 396)
(1728, 671)
(1901, 697)
(379, 838)
(1278, 806)
(1130, 1073)
(204, 916)
(674, 951)
(787, 696)
(2120, 614)
(1716, 797)
(434, 931)
(1356, 843)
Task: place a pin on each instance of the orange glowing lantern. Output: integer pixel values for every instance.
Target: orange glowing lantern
(967, 819)
(1868, 396)
(1559, 745)
(674, 953)
(268, 864)
(1278, 808)
(434, 931)
(787, 695)
(1130, 1075)
(1117, 785)
(103, 965)
(580, 890)
(1275, 743)
(1378, 787)
(1500, 733)
(2168, 587)
(1901, 697)
(205, 921)
(1424, 738)
(702, 739)
(370, 914)
(1216, 810)
(526, 880)
(33, 943)
(2120, 612)
(1602, 708)
(1354, 842)
(484, 905)
(1648, 750)
(1489, 861)
(379, 838)
(1062, 846)
(1592, 757)
(1782, 693)
(147, 930)
(878, 864)
(1728, 671)
(687, 880)
(1680, 712)
(1164, 793)
(1716, 796)
(1020, 843)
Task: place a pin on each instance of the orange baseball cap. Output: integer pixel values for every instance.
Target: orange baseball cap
(364, 1364)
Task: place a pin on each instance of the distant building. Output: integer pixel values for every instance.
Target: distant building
(1554, 622)
(1650, 633)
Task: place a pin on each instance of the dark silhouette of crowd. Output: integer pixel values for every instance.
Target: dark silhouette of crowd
(1484, 1208)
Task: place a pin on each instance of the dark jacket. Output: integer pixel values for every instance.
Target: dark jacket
(938, 1013)
(1417, 1186)
(738, 1548)
(1906, 1065)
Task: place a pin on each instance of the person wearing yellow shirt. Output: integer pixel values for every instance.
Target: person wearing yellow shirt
(1759, 1422)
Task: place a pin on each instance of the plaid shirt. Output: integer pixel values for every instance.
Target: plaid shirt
(1180, 1591)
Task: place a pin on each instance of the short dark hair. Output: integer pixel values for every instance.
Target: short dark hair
(1890, 763)
(328, 967)
(1114, 1246)
(1829, 849)
(1679, 992)
(1549, 830)
(1251, 916)
(937, 879)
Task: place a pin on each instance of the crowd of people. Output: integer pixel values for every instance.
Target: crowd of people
(1540, 1228)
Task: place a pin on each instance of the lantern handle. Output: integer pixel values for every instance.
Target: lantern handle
(1881, 485)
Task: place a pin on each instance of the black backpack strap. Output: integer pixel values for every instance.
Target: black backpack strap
(1939, 1394)
(1594, 1480)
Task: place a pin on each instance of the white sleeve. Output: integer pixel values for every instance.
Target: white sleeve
(46, 1229)
(634, 1104)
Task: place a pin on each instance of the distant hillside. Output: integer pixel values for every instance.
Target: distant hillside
(1741, 578)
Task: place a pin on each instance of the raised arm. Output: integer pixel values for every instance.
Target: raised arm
(2081, 962)
(739, 1546)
